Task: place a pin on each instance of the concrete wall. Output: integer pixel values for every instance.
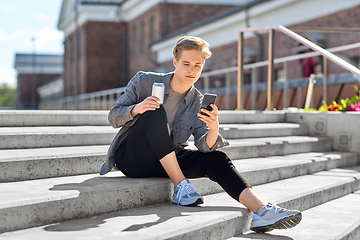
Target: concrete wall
(342, 127)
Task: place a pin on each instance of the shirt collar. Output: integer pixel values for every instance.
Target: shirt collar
(190, 94)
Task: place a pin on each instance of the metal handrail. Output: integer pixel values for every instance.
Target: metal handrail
(320, 50)
(325, 53)
(302, 56)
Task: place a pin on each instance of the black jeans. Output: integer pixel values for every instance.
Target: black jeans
(149, 141)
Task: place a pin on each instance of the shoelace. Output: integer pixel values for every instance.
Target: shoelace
(270, 206)
(184, 187)
(267, 207)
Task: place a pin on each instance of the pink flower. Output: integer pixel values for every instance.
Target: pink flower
(354, 107)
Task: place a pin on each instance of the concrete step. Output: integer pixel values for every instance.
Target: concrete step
(275, 146)
(337, 219)
(24, 164)
(28, 164)
(37, 202)
(220, 217)
(43, 137)
(260, 130)
(251, 116)
(56, 136)
(269, 169)
(22, 118)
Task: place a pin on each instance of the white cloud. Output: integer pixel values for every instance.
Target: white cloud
(8, 76)
(2, 35)
(20, 34)
(42, 16)
(45, 38)
(8, 9)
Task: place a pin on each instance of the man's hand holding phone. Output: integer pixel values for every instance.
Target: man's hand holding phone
(209, 112)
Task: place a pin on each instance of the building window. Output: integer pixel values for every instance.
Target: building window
(247, 78)
(279, 75)
(355, 61)
(142, 36)
(152, 29)
(134, 41)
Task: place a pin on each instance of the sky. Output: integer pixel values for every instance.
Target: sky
(22, 20)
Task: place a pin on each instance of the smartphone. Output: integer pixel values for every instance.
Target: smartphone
(207, 100)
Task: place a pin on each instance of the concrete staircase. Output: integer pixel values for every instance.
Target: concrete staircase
(50, 187)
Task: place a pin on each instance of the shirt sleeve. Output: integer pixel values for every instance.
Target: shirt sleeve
(200, 134)
(120, 113)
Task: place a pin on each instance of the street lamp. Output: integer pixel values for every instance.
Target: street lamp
(33, 76)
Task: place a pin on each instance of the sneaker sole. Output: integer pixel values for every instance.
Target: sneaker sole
(284, 223)
(197, 202)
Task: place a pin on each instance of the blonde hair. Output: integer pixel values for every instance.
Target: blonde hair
(191, 43)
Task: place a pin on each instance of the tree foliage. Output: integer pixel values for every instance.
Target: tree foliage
(7, 96)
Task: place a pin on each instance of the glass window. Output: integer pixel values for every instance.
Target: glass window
(142, 47)
(152, 29)
(134, 41)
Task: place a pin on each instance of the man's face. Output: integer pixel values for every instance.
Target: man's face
(189, 66)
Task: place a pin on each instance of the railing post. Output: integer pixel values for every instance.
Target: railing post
(92, 103)
(286, 90)
(227, 91)
(325, 78)
(104, 102)
(270, 90)
(206, 84)
(240, 77)
(253, 87)
(298, 97)
(117, 96)
(310, 91)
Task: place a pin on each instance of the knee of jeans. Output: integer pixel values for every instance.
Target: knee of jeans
(159, 113)
(219, 159)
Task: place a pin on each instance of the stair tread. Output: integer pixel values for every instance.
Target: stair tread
(37, 163)
(56, 130)
(256, 126)
(252, 164)
(53, 152)
(280, 139)
(167, 220)
(240, 130)
(101, 149)
(52, 118)
(56, 136)
(17, 193)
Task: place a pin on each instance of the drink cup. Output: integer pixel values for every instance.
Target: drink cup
(158, 91)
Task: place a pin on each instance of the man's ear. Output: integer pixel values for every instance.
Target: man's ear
(174, 62)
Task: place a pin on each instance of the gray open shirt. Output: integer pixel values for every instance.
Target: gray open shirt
(186, 121)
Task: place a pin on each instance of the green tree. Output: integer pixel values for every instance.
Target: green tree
(7, 96)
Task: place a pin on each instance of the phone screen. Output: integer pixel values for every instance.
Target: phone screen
(207, 100)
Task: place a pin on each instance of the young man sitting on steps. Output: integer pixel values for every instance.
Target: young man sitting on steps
(152, 138)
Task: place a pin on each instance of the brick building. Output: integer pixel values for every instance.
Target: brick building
(34, 70)
(108, 41)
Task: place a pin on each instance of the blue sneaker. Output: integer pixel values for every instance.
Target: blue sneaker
(272, 217)
(186, 195)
